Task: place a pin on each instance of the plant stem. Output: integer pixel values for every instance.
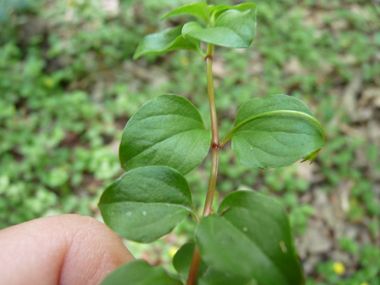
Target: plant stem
(214, 157)
(194, 267)
(212, 181)
(211, 97)
(215, 132)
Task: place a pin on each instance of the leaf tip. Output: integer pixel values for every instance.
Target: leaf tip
(136, 55)
(311, 156)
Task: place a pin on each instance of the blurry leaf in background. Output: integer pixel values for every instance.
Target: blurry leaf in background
(9, 6)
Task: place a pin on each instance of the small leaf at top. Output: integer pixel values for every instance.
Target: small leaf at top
(167, 130)
(233, 28)
(197, 10)
(275, 131)
(167, 40)
(251, 237)
(139, 273)
(219, 9)
(146, 203)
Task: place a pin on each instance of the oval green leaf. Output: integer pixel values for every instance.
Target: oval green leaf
(275, 131)
(233, 28)
(166, 131)
(206, 275)
(167, 40)
(251, 236)
(146, 203)
(197, 10)
(139, 273)
(219, 9)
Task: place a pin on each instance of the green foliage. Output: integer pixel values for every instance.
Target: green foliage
(254, 229)
(206, 274)
(368, 273)
(275, 131)
(53, 151)
(250, 239)
(146, 203)
(7, 7)
(167, 40)
(139, 273)
(197, 10)
(60, 120)
(232, 28)
(165, 131)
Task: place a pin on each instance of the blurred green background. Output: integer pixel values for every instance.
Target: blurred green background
(68, 86)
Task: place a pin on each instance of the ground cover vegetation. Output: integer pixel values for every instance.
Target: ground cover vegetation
(68, 86)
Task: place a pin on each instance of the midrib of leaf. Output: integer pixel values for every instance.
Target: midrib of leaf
(231, 133)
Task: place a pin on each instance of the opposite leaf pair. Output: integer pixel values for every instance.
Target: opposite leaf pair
(271, 132)
(228, 26)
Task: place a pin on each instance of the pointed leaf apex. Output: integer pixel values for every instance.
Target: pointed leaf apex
(311, 156)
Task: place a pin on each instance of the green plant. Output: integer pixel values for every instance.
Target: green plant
(248, 240)
(367, 273)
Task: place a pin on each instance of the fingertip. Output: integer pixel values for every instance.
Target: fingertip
(64, 249)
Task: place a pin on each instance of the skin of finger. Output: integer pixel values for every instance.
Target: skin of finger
(65, 249)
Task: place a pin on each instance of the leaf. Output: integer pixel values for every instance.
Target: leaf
(214, 277)
(182, 261)
(167, 130)
(251, 236)
(311, 156)
(197, 10)
(167, 40)
(219, 9)
(206, 275)
(233, 28)
(275, 131)
(146, 203)
(139, 273)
